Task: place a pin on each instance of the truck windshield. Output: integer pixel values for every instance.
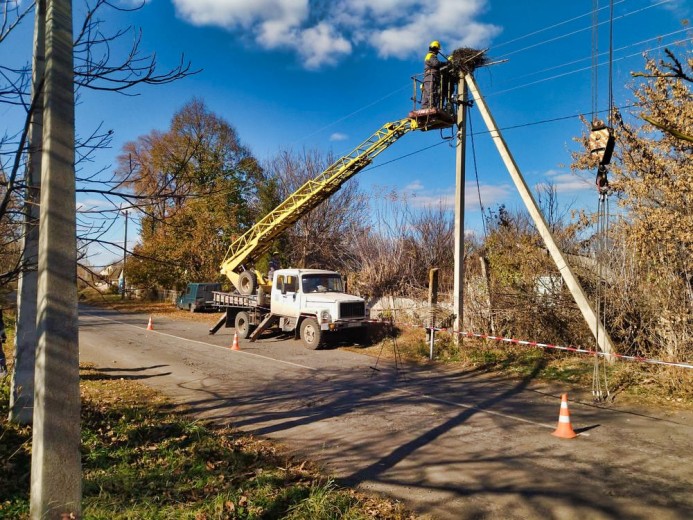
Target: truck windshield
(321, 283)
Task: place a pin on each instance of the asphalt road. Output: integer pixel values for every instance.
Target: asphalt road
(450, 444)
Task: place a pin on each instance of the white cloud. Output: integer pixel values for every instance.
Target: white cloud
(491, 195)
(565, 182)
(134, 3)
(414, 186)
(94, 204)
(321, 33)
(243, 14)
(338, 136)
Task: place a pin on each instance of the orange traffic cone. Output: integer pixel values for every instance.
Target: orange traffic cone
(235, 346)
(150, 325)
(564, 430)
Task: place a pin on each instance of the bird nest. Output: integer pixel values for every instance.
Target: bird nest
(466, 60)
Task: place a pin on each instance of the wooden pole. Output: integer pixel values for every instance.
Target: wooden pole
(432, 304)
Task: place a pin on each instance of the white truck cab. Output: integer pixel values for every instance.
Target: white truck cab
(314, 301)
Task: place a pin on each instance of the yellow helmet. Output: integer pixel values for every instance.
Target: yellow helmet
(435, 44)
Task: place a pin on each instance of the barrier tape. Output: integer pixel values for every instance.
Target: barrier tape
(568, 349)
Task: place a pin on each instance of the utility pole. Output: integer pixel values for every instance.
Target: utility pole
(22, 388)
(56, 474)
(458, 290)
(125, 253)
(598, 330)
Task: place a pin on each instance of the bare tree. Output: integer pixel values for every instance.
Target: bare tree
(96, 67)
(320, 238)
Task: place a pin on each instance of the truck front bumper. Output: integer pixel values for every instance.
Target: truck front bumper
(343, 324)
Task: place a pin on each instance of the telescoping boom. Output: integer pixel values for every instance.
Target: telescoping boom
(247, 249)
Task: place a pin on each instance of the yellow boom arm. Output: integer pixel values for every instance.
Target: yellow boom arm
(257, 240)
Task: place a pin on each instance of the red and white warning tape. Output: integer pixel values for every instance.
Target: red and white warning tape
(569, 349)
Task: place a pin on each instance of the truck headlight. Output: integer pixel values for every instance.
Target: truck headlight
(325, 317)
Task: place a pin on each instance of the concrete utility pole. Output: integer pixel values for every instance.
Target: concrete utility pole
(458, 289)
(22, 395)
(598, 331)
(56, 473)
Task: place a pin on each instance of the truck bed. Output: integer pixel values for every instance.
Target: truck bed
(224, 299)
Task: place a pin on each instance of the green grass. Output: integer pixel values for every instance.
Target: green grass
(144, 460)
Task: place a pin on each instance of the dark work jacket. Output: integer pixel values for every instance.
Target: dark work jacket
(431, 64)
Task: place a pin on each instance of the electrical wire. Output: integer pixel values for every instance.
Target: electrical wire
(659, 37)
(582, 69)
(578, 31)
(595, 57)
(558, 24)
(482, 132)
(476, 172)
(548, 28)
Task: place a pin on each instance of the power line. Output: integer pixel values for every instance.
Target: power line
(582, 69)
(580, 60)
(558, 24)
(481, 132)
(572, 33)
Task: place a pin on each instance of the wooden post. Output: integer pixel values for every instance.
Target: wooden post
(432, 304)
(487, 281)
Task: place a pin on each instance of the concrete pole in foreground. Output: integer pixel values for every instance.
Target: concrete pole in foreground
(56, 474)
(458, 290)
(22, 395)
(598, 331)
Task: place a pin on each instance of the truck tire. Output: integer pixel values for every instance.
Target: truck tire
(242, 324)
(311, 334)
(247, 282)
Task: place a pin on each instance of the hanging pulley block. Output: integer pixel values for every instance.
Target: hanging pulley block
(601, 141)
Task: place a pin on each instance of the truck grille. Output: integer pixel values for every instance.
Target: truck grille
(352, 310)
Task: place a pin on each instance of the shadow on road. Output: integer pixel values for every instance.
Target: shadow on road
(434, 454)
(105, 374)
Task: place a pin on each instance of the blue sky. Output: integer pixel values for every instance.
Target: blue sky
(326, 74)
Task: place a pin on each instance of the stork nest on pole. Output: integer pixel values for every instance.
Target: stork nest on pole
(465, 60)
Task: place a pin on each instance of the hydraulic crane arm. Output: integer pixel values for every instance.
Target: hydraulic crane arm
(248, 248)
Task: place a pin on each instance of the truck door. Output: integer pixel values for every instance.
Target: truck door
(285, 300)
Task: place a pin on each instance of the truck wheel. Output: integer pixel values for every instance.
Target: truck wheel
(247, 282)
(242, 324)
(311, 334)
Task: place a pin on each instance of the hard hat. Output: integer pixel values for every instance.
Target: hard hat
(435, 44)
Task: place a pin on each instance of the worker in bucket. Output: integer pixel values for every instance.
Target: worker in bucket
(431, 83)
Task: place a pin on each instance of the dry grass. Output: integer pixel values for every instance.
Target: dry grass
(154, 309)
(145, 458)
(628, 381)
(635, 383)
